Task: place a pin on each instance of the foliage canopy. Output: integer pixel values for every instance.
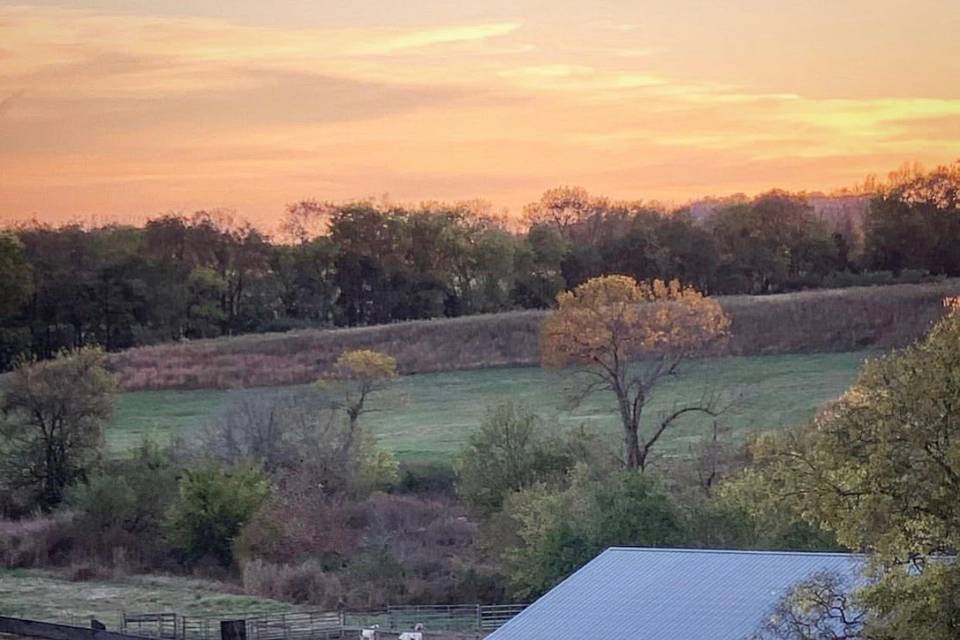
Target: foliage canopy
(624, 337)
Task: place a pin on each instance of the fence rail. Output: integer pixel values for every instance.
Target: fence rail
(51, 631)
(322, 625)
(492, 617)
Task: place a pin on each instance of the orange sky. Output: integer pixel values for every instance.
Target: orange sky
(125, 108)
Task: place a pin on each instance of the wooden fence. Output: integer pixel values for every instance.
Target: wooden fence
(50, 631)
(323, 625)
(301, 625)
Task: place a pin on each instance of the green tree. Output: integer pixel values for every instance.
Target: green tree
(213, 504)
(913, 222)
(881, 470)
(16, 283)
(52, 428)
(771, 242)
(538, 267)
(305, 275)
(560, 530)
(16, 287)
(919, 607)
(508, 453)
(770, 520)
(887, 453)
(204, 316)
(124, 505)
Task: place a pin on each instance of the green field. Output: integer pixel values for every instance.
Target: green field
(428, 416)
(44, 596)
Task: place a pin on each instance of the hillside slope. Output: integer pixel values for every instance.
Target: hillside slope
(429, 416)
(804, 322)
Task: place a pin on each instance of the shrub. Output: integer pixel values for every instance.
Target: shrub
(299, 522)
(385, 549)
(123, 508)
(213, 505)
(559, 531)
(426, 478)
(300, 432)
(304, 583)
(34, 542)
(508, 453)
(86, 572)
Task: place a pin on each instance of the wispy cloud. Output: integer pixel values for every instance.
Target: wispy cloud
(387, 43)
(579, 78)
(121, 113)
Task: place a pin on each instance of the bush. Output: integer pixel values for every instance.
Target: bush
(123, 508)
(86, 572)
(508, 453)
(426, 478)
(35, 542)
(305, 583)
(301, 432)
(559, 531)
(213, 505)
(385, 549)
(299, 522)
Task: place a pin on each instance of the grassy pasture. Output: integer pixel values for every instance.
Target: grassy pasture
(45, 596)
(428, 416)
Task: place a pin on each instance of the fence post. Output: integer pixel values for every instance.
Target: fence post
(233, 630)
(479, 618)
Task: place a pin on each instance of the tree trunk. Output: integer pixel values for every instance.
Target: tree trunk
(631, 427)
(635, 459)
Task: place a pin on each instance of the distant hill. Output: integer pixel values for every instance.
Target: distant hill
(808, 321)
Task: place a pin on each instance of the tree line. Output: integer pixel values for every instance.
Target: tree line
(362, 263)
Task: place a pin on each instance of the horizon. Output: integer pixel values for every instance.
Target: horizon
(121, 111)
(512, 218)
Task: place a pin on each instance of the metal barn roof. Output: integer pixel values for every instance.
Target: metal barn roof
(671, 594)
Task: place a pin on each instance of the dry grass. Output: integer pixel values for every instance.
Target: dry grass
(809, 321)
(44, 595)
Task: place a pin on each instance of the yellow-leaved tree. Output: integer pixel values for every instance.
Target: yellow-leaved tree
(624, 337)
(362, 373)
(358, 374)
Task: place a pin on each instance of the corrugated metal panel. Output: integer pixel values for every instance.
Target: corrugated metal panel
(670, 594)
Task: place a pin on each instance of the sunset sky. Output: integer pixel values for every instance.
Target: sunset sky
(122, 109)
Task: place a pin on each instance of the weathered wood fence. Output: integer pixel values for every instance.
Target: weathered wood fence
(322, 625)
(51, 631)
(301, 625)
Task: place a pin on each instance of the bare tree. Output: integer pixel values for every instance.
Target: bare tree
(817, 608)
(714, 456)
(302, 432)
